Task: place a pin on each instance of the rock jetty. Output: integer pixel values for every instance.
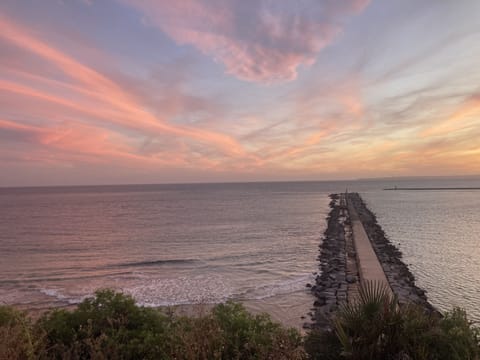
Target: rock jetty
(339, 263)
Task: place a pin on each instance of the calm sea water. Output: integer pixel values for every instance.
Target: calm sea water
(188, 244)
(439, 235)
(163, 244)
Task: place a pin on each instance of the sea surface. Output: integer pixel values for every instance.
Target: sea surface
(438, 233)
(192, 244)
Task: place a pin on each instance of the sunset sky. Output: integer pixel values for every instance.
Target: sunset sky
(153, 91)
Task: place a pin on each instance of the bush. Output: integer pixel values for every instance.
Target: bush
(460, 337)
(15, 335)
(255, 337)
(323, 345)
(111, 326)
(376, 327)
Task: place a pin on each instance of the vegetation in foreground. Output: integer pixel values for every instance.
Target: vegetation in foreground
(376, 328)
(111, 326)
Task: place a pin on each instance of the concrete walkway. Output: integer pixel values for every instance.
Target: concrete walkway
(369, 267)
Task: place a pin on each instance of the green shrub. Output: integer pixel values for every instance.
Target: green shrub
(15, 335)
(255, 337)
(370, 328)
(111, 326)
(461, 340)
(323, 345)
(376, 327)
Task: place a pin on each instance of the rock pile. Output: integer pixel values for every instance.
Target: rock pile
(400, 278)
(330, 287)
(337, 278)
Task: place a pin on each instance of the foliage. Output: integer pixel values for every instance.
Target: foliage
(369, 327)
(15, 337)
(323, 345)
(460, 338)
(255, 337)
(112, 326)
(376, 327)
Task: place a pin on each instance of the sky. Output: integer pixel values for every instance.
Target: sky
(162, 91)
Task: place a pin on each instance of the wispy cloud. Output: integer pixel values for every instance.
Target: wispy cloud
(262, 41)
(464, 118)
(368, 102)
(92, 95)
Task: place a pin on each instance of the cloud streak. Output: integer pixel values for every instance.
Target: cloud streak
(101, 98)
(152, 103)
(260, 41)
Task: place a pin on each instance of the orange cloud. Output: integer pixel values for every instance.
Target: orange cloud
(77, 142)
(462, 118)
(119, 106)
(56, 109)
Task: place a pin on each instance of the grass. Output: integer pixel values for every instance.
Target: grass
(111, 326)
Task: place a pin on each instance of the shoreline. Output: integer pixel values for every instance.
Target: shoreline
(337, 280)
(339, 272)
(288, 309)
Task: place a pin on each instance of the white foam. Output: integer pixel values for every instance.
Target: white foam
(277, 288)
(199, 289)
(60, 295)
(53, 293)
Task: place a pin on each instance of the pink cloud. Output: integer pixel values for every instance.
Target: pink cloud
(93, 94)
(262, 41)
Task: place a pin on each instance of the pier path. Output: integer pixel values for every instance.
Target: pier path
(368, 264)
(355, 250)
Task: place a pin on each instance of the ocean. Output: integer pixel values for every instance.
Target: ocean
(190, 244)
(438, 233)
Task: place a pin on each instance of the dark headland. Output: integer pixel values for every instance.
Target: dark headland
(432, 188)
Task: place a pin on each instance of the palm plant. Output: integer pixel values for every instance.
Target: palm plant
(369, 327)
(374, 326)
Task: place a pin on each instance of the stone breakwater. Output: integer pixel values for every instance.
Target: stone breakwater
(399, 276)
(330, 287)
(338, 278)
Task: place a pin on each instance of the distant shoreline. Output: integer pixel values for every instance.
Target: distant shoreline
(432, 189)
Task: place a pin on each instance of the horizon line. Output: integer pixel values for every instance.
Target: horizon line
(392, 178)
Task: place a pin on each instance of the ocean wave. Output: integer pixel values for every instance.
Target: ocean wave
(199, 289)
(283, 287)
(187, 290)
(66, 277)
(60, 296)
(53, 293)
(155, 262)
